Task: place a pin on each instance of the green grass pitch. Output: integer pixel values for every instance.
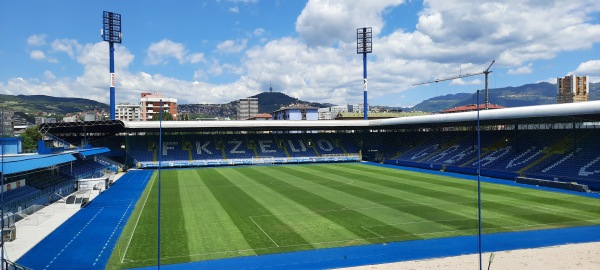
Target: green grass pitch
(211, 213)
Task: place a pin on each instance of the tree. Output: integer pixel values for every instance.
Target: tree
(30, 137)
(166, 116)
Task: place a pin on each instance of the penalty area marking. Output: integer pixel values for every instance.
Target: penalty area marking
(261, 229)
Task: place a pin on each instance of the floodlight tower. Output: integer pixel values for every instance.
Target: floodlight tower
(364, 45)
(111, 33)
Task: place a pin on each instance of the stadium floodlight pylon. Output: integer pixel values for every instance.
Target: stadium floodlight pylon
(111, 33)
(364, 45)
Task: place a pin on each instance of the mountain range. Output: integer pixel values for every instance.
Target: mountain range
(524, 95)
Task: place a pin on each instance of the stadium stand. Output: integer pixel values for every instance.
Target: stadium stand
(507, 154)
(547, 142)
(38, 179)
(209, 150)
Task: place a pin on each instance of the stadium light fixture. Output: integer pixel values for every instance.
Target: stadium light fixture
(111, 33)
(364, 45)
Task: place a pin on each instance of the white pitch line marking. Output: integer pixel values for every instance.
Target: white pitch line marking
(264, 232)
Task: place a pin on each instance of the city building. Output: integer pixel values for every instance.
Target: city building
(572, 88)
(357, 108)
(472, 107)
(19, 120)
(247, 107)
(7, 123)
(325, 114)
(91, 117)
(297, 112)
(261, 116)
(70, 119)
(42, 120)
(128, 112)
(150, 106)
(331, 113)
(376, 115)
(11, 146)
(20, 129)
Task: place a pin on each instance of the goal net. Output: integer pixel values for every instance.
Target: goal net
(263, 160)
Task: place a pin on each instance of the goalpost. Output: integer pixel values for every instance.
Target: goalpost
(263, 160)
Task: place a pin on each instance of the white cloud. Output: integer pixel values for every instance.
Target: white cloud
(49, 75)
(590, 68)
(521, 70)
(258, 32)
(196, 58)
(232, 46)
(36, 40)
(327, 74)
(37, 55)
(199, 75)
(452, 37)
(549, 80)
(68, 46)
(94, 81)
(460, 81)
(512, 31)
(160, 53)
(234, 9)
(326, 22)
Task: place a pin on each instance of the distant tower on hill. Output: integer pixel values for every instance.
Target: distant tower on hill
(572, 88)
(270, 88)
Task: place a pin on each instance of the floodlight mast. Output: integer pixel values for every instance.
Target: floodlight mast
(364, 45)
(111, 33)
(486, 72)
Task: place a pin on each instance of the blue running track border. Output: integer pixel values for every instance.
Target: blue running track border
(86, 240)
(400, 251)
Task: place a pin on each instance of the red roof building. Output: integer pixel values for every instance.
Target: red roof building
(472, 107)
(261, 116)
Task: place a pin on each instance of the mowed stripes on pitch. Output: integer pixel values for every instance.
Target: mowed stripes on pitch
(238, 211)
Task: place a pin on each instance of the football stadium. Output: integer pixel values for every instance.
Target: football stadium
(304, 194)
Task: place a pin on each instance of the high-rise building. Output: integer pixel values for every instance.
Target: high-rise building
(128, 112)
(247, 107)
(572, 88)
(150, 106)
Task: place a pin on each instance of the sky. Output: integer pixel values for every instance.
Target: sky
(217, 51)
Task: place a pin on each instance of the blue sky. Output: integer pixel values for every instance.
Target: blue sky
(216, 51)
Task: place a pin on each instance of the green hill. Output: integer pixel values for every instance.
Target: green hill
(55, 105)
(269, 102)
